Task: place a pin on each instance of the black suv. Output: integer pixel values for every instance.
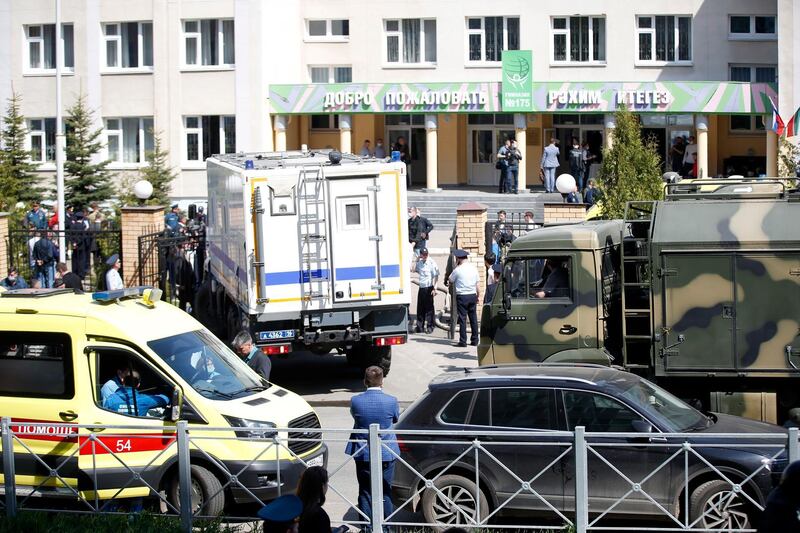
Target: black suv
(533, 469)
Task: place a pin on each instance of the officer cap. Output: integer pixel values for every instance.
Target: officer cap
(497, 268)
(461, 254)
(423, 251)
(79, 214)
(174, 206)
(113, 259)
(283, 509)
(200, 209)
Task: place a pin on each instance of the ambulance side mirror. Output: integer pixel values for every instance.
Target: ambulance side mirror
(176, 404)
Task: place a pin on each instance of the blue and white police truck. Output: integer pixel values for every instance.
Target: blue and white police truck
(309, 251)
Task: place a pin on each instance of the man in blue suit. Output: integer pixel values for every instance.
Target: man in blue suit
(373, 407)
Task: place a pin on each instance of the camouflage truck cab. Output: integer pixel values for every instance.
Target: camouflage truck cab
(699, 292)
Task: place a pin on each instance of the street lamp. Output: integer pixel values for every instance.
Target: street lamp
(143, 190)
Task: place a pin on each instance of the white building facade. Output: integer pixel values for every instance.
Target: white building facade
(220, 77)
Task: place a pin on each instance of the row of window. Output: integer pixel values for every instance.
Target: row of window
(128, 139)
(129, 45)
(660, 39)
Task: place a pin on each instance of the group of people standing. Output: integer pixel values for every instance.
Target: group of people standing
(683, 156)
(508, 158)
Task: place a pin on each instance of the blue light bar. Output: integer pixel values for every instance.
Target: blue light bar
(110, 296)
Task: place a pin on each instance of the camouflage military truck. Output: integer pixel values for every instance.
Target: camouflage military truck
(699, 292)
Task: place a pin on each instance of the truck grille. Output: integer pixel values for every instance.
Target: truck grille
(310, 439)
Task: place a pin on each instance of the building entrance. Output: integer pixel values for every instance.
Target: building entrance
(485, 134)
(412, 128)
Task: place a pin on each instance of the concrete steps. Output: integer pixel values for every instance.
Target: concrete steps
(440, 208)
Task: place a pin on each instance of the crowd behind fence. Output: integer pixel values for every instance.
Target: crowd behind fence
(86, 252)
(188, 447)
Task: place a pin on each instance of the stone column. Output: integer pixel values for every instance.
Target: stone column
(470, 227)
(280, 124)
(520, 131)
(345, 129)
(610, 123)
(432, 155)
(772, 154)
(4, 244)
(701, 127)
(137, 221)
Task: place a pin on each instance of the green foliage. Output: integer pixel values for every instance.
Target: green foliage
(788, 156)
(17, 172)
(157, 172)
(88, 182)
(41, 522)
(631, 169)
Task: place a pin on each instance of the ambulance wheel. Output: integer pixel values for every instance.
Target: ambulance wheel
(207, 493)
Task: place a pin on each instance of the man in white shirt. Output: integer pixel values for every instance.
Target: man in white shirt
(428, 272)
(689, 157)
(113, 279)
(530, 225)
(465, 280)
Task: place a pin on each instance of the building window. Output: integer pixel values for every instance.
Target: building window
(327, 30)
(663, 39)
(752, 27)
(129, 139)
(128, 45)
(579, 39)
(410, 41)
(487, 37)
(40, 49)
(324, 122)
(42, 139)
(208, 42)
(208, 135)
(749, 74)
(331, 74)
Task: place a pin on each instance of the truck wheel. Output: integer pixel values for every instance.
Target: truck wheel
(455, 502)
(715, 504)
(206, 492)
(379, 356)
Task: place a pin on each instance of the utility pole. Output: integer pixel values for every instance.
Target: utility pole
(60, 144)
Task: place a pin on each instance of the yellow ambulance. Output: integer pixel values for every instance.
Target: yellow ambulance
(123, 358)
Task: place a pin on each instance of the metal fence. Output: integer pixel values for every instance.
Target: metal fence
(183, 454)
(499, 235)
(173, 264)
(86, 252)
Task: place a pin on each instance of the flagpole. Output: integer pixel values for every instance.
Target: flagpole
(62, 247)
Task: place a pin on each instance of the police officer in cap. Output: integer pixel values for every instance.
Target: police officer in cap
(171, 220)
(280, 515)
(465, 280)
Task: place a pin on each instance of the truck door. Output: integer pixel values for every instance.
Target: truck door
(768, 311)
(699, 306)
(354, 240)
(543, 316)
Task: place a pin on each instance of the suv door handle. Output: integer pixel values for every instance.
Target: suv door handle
(69, 416)
(567, 329)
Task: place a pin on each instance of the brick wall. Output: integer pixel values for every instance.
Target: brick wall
(560, 212)
(470, 225)
(3, 245)
(137, 221)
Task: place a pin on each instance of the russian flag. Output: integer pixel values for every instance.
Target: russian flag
(777, 122)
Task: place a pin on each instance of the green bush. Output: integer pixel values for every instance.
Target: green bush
(42, 522)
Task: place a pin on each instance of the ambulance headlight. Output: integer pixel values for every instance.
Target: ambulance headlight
(252, 429)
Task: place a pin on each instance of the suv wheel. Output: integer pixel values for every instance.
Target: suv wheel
(455, 503)
(718, 507)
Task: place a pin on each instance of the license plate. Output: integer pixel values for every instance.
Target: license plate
(277, 334)
(316, 461)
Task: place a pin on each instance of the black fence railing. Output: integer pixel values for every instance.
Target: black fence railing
(173, 263)
(500, 234)
(86, 254)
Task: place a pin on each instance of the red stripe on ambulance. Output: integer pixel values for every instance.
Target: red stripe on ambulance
(146, 442)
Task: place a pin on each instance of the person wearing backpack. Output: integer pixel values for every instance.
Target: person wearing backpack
(576, 164)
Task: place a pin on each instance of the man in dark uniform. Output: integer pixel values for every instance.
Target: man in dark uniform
(79, 242)
(255, 358)
(782, 512)
(491, 288)
(171, 220)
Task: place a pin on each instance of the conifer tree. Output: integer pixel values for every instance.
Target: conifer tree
(17, 172)
(158, 172)
(87, 181)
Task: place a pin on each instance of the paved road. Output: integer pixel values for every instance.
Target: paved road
(328, 383)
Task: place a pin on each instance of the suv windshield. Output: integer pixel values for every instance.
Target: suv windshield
(208, 365)
(657, 402)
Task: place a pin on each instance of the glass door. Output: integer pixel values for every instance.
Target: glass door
(484, 142)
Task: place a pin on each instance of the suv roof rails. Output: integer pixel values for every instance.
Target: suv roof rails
(35, 293)
(528, 365)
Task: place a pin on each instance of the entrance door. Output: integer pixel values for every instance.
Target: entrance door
(483, 146)
(591, 135)
(659, 135)
(417, 146)
(698, 305)
(355, 265)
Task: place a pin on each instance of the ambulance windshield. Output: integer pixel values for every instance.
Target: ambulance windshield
(208, 365)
